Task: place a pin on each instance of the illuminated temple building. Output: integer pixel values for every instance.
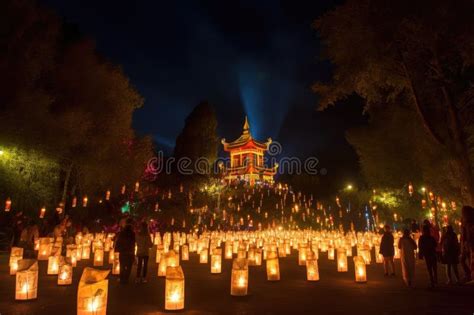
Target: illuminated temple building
(247, 158)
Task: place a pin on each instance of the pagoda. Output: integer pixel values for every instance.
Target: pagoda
(247, 158)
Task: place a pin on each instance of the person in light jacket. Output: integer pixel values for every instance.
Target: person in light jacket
(407, 248)
(144, 244)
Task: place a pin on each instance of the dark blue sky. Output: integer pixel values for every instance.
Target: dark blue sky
(245, 57)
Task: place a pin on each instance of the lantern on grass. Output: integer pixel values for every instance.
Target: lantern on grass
(16, 254)
(116, 264)
(258, 257)
(203, 256)
(111, 256)
(174, 288)
(98, 258)
(216, 261)
(273, 267)
(172, 259)
(251, 256)
(240, 277)
(360, 269)
(26, 280)
(45, 248)
(378, 256)
(342, 260)
(312, 269)
(92, 292)
(159, 253)
(185, 252)
(365, 253)
(65, 274)
(331, 253)
(86, 251)
(53, 264)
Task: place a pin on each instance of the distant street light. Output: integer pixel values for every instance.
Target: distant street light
(349, 187)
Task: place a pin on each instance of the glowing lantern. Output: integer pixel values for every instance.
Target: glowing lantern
(185, 252)
(174, 288)
(240, 277)
(331, 253)
(16, 254)
(98, 258)
(228, 250)
(137, 186)
(111, 256)
(203, 256)
(53, 264)
(410, 189)
(107, 195)
(273, 267)
(216, 260)
(360, 269)
(366, 255)
(341, 260)
(251, 256)
(116, 264)
(84, 201)
(92, 292)
(42, 212)
(65, 274)
(312, 270)
(258, 257)
(86, 251)
(302, 255)
(8, 205)
(26, 280)
(378, 256)
(45, 248)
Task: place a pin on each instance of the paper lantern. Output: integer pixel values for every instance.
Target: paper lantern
(273, 267)
(99, 258)
(330, 253)
(228, 250)
(378, 256)
(203, 256)
(111, 256)
(239, 277)
(251, 256)
(86, 251)
(216, 261)
(53, 264)
(65, 274)
(26, 280)
(185, 252)
(159, 253)
(360, 269)
(397, 251)
(312, 269)
(342, 260)
(162, 266)
(172, 259)
(174, 288)
(258, 257)
(16, 254)
(92, 292)
(116, 264)
(366, 255)
(45, 248)
(302, 255)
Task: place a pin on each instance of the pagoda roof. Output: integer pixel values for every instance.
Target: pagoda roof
(246, 140)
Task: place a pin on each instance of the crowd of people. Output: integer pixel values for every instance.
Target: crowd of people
(434, 247)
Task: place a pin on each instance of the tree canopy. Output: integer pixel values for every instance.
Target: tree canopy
(414, 68)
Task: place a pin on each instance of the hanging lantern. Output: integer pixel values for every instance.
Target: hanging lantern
(123, 189)
(16, 254)
(45, 248)
(116, 264)
(107, 195)
(84, 201)
(312, 270)
(137, 186)
(410, 189)
(42, 212)
(65, 274)
(26, 280)
(360, 269)
(342, 260)
(174, 288)
(8, 205)
(98, 257)
(53, 264)
(239, 278)
(92, 292)
(216, 260)
(185, 252)
(273, 267)
(74, 202)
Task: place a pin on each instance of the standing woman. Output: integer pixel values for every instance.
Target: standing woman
(125, 246)
(451, 251)
(387, 251)
(407, 248)
(428, 252)
(144, 244)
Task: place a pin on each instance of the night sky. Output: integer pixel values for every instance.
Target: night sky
(255, 58)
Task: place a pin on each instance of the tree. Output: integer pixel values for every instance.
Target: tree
(66, 103)
(398, 53)
(198, 139)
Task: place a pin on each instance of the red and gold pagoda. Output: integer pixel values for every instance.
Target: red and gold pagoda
(247, 158)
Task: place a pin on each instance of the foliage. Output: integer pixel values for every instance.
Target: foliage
(399, 54)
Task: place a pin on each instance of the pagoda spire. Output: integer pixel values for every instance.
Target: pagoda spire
(246, 126)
